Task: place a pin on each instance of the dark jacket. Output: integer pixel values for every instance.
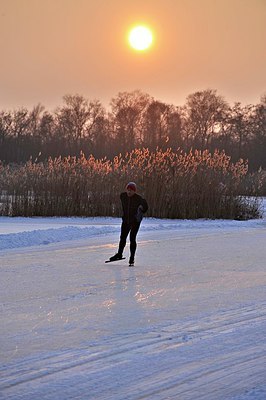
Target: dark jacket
(132, 211)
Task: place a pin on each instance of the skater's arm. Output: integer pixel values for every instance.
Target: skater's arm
(144, 205)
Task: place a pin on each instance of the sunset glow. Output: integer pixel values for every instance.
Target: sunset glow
(140, 38)
(168, 49)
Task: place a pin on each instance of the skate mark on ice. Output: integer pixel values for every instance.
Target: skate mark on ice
(185, 375)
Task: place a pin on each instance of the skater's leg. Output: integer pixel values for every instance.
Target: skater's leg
(125, 228)
(133, 241)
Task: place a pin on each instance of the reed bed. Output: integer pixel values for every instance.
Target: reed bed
(176, 184)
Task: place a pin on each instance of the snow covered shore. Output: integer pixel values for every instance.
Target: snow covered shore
(187, 322)
(24, 232)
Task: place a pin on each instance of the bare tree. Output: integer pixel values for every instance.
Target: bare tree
(204, 112)
(258, 148)
(6, 121)
(127, 113)
(240, 127)
(162, 125)
(21, 122)
(72, 117)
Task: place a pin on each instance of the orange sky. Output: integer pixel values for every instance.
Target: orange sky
(50, 48)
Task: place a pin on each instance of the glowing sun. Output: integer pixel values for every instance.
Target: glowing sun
(140, 38)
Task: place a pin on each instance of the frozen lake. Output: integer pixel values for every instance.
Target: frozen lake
(187, 322)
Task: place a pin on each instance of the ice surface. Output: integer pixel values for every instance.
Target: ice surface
(187, 322)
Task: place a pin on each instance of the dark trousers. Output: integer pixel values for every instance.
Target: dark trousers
(125, 229)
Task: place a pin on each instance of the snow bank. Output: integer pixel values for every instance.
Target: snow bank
(24, 232)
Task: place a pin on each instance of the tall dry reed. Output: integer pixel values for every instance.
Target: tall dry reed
(190, 185)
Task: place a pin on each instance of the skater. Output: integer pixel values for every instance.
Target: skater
(134, 206)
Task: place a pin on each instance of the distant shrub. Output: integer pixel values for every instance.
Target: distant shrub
(190, 185)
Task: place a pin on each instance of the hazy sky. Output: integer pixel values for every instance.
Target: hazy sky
(50, 48)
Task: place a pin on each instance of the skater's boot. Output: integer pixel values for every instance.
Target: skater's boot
(131, 261)
(117, 256)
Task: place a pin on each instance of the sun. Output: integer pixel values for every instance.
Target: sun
(140, 38)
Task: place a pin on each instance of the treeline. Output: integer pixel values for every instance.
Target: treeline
(135, 120)
(197, 184)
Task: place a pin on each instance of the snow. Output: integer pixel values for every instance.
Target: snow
(24, 232)
(187, 322)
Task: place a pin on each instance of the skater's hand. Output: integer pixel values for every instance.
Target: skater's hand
(139, 215)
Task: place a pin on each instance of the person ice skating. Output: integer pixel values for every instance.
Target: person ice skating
(134, 206)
